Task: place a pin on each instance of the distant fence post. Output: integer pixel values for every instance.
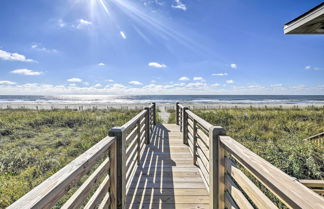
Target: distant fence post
(216, 168)
(147, 125)
(185, 125)
(154, 113)
(177, 113)
(120, 166)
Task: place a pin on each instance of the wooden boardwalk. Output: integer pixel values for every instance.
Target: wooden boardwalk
(166, 177)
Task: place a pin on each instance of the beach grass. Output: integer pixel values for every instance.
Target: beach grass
(172, 116)
(36, 144)
(276, 135)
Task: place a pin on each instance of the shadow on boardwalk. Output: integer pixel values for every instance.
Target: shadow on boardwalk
(166, 177)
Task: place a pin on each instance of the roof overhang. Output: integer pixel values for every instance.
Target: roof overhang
(311, 22)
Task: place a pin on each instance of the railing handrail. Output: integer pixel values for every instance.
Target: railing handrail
(314, 137)
(201, 121)
(49, 191)
(286, 188)
(112, 190)
(121, 134)
(131, 123)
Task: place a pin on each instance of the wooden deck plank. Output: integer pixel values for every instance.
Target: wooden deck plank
(166, 177)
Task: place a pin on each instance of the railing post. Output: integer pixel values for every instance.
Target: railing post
(112, 175)
(120, 166)
(181, 119)
(147, 125)
(216, 168)
(194, 149)
(177, 113)
(154, 113)
(185, 125)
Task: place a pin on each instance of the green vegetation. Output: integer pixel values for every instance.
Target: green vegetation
(36, 144)
(277, 136)
(172, 116)
(158, 116)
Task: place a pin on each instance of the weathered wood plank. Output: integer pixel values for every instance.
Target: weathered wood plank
(285, 187)
(253, 192)
(312, 183)
(229, 202)
(105, 203)
(236, 193)
(167, 192)
(100, 193)
(166, 176)
(173, 199)
(47, 193)
(170, 206)
(81, 194)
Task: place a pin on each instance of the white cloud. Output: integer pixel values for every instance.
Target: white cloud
(101, 64)
(110, 80)
(196, 84)
(74, 80)
(308, 67)
(98, 85)
(198, 78)
(276, 85)
(122, 34)
(14, 57)
(215, 84)
(38, 47)
(7, 83)
(233, 66)
(118, 86)
(83, 23)
(61, 23)
(179, 5)
(26, 72)
(184, 78)
(155, 88)
(156, 65)
(219, 74)
(230, 81)
(136, 83)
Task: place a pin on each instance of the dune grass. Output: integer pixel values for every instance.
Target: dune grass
(277, 136)
(172, 116)
(36, 144)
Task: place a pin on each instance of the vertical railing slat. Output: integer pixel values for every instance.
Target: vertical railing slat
(216, 168)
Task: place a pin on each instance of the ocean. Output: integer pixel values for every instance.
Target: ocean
(163, 99)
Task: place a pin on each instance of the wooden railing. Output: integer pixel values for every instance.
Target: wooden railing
(113, 161)
(315, 185)
(318, 139)
(225, 165)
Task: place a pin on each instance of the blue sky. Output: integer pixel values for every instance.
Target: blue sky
(157, 47)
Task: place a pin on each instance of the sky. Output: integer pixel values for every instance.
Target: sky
(157, 47)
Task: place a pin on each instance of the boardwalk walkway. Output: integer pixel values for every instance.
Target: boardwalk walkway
(167, 177)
